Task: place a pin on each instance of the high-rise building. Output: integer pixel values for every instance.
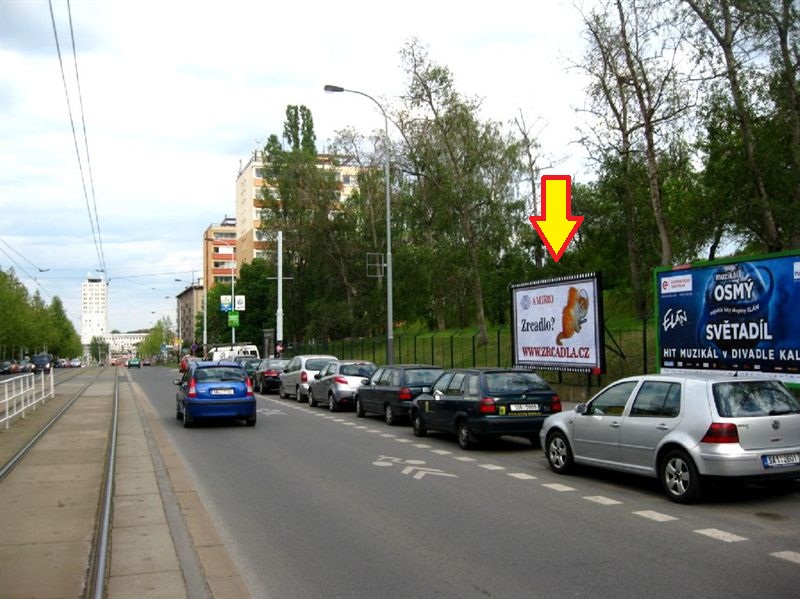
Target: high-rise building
(219, 252)
(94, 308)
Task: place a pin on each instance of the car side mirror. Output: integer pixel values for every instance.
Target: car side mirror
(176, 381)
(426, 389)
(317, 376)
(365, 381)
(581, 408)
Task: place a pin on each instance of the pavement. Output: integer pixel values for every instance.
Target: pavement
(163, 542)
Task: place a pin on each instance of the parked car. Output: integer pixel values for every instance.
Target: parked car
(683, 430)
(268, 374)
(214, 390)
(479, 404)
(299, 372)
(62, 363)
(42, 362)
(75, 363)
(7, 367)
(249, 363)
(145, 361)
(390, 390)
(336, 384)
(134, 363)
(25, 366)
(184, 363)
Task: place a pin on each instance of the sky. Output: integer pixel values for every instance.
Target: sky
(174, 95)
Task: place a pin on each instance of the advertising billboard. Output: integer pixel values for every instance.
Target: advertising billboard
(735, 315)
(557, 324)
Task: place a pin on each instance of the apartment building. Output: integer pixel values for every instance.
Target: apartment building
(219, 252)
(94, 308)
(251, 241)
(190, 304)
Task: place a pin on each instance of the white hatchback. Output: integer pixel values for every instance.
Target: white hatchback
(682, 429)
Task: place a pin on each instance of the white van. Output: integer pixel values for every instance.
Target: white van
(228, 352)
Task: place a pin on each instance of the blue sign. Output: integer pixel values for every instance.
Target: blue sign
(733, 316)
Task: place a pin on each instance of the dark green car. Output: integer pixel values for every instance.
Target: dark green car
(134, 363)
(478, 404)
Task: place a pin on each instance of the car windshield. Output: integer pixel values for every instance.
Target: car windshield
(498, 383)
(277, 364)
(362, 370)
(219, 373)
(317, 363)
(739, 399)
(422, 376)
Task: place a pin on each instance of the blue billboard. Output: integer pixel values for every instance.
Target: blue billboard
(737, 315)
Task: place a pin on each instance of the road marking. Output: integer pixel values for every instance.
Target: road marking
(602, 500)
(403, 441)
(373, 430)
(463, 458)
(521, 475)
(492, 467)
(655, 516)
(338, 420)
(720, 535)
(421, 472)
(361, 428)
(349, 423)
(321, 415)
(441, 452)
(388, 435)
(790, 556)
(269, 412)
(558, 487)
(422, 446)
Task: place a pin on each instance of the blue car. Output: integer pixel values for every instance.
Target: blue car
(215, 390)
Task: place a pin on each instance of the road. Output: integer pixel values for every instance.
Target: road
(314, 504)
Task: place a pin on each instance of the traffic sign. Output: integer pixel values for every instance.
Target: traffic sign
(225, 303)
(233, 319)
(238, 303)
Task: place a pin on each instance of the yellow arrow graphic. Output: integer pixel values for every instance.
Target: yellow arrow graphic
(556, 226)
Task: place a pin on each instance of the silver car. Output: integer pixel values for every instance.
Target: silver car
(336, 384)
(681, 429)
(299, 372)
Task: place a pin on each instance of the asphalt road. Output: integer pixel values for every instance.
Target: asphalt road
(314, 504)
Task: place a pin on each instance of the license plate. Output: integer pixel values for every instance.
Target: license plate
(781, 460)
(524, 407)
(222, 392)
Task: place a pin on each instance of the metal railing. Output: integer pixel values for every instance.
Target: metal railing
(21, 393)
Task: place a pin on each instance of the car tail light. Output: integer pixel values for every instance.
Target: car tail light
(555, 404)
(487, 406)
(271, 373)
(341, 380)
(192, 387)
(405, 394)
(249, 384)
(304, 377)
(721, 432)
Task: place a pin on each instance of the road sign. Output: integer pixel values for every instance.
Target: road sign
(225, 303)
(233, 319)
(238, 303)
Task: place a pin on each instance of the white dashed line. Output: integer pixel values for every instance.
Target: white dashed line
(492, 467)
(656, 516)
(720, 535)
(463, 458)
(349, 424)
(422, 446)
(403, 440)
(602, 500)
(361, 428)
(521, 476)
(558, 487)
(441, 452)
(338, 420)
(388, 436)
(373, 430)
(790, 556)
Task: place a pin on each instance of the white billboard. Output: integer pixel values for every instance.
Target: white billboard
(557, 324)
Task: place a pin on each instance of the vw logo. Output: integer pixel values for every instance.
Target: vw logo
(776, 424)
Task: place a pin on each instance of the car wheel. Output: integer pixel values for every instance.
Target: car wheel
(333, 406)
(360, 413)
(282, 392)
(679, 477)
(311, 400)
(187, 420)
(466, 440)
(251, 421)
(559, 454)
(420, 430)
(388, 415)
(297, 394)
(178, 413)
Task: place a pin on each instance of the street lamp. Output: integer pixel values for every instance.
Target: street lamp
(389, 309)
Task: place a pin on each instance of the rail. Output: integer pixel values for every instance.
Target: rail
(21, 393)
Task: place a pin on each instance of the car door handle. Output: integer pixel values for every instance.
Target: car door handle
(614, 424)
(662, 427)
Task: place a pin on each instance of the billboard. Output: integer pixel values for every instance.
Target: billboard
(557, 324)
(734, 315)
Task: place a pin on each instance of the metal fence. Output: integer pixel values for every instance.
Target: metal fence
(19, 394)
(630, 350)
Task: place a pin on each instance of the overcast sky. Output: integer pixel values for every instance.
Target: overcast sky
(176, 94)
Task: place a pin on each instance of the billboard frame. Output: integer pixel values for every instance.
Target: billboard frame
(598, 364)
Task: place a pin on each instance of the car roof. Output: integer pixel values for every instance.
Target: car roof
(209, 363)
(703, 377)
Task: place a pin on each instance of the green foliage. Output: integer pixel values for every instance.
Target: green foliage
(28, 325)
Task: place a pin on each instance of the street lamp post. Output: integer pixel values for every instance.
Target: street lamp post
(389, 307)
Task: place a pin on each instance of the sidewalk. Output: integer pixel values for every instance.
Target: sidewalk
(163, 543)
